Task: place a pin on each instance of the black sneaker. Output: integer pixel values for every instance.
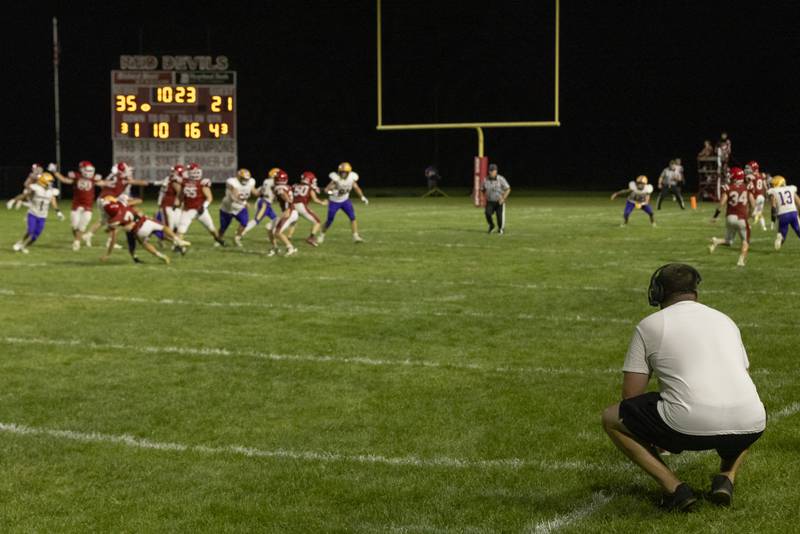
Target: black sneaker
(137, 260)
(681, 500)
(721, 491)
(490, 229)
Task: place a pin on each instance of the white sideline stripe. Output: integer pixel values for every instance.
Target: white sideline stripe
(357, 310)
(358, 360)
(598, 500)
(308, 456)
(353, 310)
(787, 411)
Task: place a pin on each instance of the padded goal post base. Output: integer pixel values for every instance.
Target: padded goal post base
(480, 170)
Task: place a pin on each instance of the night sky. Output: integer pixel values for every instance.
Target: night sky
(641, 83)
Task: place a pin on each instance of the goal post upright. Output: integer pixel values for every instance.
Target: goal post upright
(477, 126)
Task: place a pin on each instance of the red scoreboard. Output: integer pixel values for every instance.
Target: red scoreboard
(162, 117)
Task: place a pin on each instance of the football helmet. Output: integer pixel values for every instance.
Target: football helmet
(45, 179)
(179, 171)
(112, 207)
(86, 168)
(243, 175)
(281, 177)
(308, 177)
(194, 171)
(641, 179)
(753, 166)
(737, 174)
(273, 172)
(345, 167)
(124, 169)
(778, 181)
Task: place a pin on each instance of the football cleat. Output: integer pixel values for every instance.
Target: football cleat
(740, 263)
(76, 245)
(311, 241)
(87, 239)
(292, 251)
(320, 239)
(778, 242)
(357, 239)
(238, 240)
(17, 246)
(272, 252)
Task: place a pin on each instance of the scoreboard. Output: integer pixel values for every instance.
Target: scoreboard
(163, 117)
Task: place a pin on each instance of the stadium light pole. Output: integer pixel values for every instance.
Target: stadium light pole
(55, 95)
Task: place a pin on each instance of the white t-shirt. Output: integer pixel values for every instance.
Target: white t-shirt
(40, 199)
(785, 197)
(342, 186)
(696, 352)
(236, 195)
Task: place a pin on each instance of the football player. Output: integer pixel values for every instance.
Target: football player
(288, 216)
(303, 192)
(83, 184)
(41, 195)
(234, 205)
(737, 198)
(266, 195)
(758, 183)
(338, 191)
(196, 197)
(169, 211)
(138, 228)
(116, 184)
(785, 200)
(36, 170)
(638, 192)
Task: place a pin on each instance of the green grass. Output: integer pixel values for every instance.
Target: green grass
(373, 381)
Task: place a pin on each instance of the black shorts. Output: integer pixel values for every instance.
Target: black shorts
(640, 416)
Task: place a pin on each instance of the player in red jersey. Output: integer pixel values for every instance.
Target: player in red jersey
(169, 211)
(83, 184)
(137, 227)
(195, 198)
(737, 197)
(114, 185)
(303, 192)
(288, 217)
(759, 184)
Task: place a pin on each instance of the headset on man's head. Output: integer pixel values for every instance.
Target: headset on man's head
(655, 292)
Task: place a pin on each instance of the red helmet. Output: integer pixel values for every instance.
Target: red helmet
(281, 177)
(753, 165)
(308, 177)
(179, 170)
(112, 208)
(737, 174)
(86, 168)
(194, 171)
(122, 167)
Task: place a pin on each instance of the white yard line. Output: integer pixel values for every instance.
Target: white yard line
(346, 360)
(787, 411)
(306, 456)
(598, 500)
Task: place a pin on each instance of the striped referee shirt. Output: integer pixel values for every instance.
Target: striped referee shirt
(495, 189)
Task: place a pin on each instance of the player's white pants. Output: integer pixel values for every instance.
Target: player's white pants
(760, 200)
(187, 216)
(79, 218)
(284, 224)
(173, 216)
(148, 227)
(303, 211)
(735, 226)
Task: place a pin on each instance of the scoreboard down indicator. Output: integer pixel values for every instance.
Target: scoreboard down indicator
(161, 117)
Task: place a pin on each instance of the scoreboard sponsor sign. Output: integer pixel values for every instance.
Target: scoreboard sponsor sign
(161, 117)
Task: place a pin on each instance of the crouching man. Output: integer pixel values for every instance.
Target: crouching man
(705, 400)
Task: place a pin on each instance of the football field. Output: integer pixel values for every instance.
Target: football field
(433, 379)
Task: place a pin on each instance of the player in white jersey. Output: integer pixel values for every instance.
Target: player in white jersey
(638, 193)
(338, 190)
(234, 205)
(784, 200)
(266, 196)
(40, 195)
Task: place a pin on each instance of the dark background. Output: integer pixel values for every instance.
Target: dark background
(641, 82)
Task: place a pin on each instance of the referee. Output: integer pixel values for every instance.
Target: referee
(670, 182)
(497, 190)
